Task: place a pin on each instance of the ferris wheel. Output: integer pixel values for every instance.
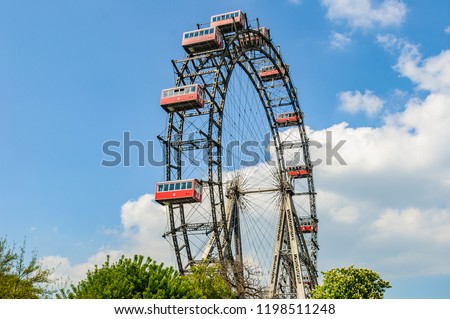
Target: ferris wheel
(238, 183)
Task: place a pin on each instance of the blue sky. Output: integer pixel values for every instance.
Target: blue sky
(75, 74)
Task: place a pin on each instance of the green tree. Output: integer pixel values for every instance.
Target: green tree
(210, 281)
(141, 279)
(21, 280)
(351, 283)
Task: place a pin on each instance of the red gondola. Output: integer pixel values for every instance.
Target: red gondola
(202, 40)
(301, 171)
(271, 72)
(228, 22)
(308, 229)
(251, 40)
(178, 192)
(287, 119)
(182, 98)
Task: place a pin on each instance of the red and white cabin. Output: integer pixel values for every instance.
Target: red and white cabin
(308, 229)
(288, 119)
(264, 32)
(202, 40)
(182, 98)
(228, 22)
(301, 171)
(271, 72)
(251, 39)
(179, 192)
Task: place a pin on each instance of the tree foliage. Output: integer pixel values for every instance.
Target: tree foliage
(208, 279)
(351, 283)
(145, 279)
(19, 279)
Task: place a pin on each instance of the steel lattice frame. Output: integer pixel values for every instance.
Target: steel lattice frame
(293, 271)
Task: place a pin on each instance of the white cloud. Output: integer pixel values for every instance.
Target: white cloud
(363, 14)
(415, 241)
(408, 141)
(431, 74)
(65, 272)
(340, 40)
(346, 214)
(144, 221)
(405, 225)
(354, 102)
(400, 93)
(447, 30)
(389, 41)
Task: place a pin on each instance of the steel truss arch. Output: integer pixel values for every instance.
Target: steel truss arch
(213, 231)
